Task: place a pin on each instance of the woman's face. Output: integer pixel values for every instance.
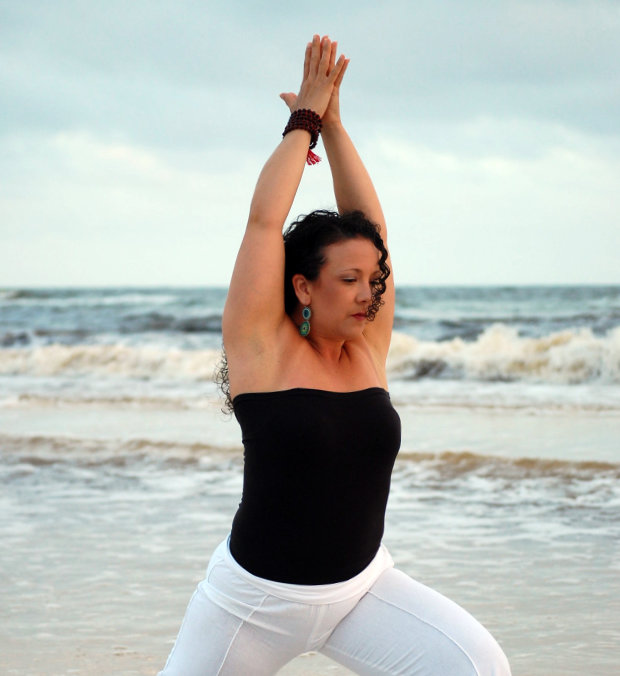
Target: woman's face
(341, 294)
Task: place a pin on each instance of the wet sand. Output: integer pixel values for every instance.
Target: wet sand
(99, 560)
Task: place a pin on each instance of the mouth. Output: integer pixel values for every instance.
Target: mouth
(360, 316)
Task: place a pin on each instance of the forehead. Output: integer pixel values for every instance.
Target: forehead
(358, 252)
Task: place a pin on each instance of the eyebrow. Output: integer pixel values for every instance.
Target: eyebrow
(358, 271)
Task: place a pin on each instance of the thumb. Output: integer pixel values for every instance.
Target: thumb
(289, 98)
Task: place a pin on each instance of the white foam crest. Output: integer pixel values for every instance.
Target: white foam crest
(499, 353)
(146, 362)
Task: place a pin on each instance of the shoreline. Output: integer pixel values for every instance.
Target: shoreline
(103, 553)
(572, 435)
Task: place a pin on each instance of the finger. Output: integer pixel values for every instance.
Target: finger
(340, 75)
(290, 99)
(307, 57)
(335, 75)
(315, 55)
(332, 58)
(326, 51)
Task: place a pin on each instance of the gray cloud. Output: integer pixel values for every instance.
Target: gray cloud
(148, 118)
(186, 72)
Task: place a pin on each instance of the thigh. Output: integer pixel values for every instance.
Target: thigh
(402, 627)
(250, 633)
(213, 641)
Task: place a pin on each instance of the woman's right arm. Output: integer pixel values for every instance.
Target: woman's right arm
(254, 308)
(255, 301)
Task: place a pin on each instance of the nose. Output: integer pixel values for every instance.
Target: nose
(364, 294)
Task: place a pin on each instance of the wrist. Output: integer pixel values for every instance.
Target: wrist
(308, 121)
(333, 126)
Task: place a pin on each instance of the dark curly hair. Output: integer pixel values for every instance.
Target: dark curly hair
(305, 241)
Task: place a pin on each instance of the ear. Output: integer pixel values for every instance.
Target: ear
(301, 287)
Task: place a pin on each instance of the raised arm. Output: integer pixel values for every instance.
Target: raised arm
(255, 304)
(354, 190)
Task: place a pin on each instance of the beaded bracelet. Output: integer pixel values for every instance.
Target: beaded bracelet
(306, 119)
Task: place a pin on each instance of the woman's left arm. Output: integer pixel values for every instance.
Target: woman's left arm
(354, 190)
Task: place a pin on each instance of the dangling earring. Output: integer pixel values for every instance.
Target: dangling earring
(304, 329)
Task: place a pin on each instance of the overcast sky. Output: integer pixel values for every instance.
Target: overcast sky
(132, 133)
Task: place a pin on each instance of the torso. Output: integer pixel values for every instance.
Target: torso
(316, 482)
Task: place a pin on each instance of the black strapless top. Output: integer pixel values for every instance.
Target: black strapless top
(316, 481)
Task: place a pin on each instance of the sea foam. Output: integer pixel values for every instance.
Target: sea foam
(500, 354)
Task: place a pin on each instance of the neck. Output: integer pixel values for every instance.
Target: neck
(330, 350)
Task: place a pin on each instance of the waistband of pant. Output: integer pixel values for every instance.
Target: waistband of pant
(313, 594)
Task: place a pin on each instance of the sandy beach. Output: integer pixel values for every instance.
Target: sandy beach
(98, 570)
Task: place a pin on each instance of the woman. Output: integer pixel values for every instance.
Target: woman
(307, 328)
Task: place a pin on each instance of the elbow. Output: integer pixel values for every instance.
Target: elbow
(260, 219)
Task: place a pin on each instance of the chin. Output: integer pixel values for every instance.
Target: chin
(356, 331)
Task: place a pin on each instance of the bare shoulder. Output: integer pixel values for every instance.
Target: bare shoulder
(290, 361)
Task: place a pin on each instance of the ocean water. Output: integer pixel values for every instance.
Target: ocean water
(119, 473)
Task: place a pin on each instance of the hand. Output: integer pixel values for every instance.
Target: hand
(321, 72)
(332, 113)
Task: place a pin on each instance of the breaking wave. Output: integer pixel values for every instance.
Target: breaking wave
(146, 362)
(500, 354)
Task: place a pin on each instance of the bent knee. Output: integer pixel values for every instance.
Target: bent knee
(479, 656)
(439, 633)
(486, 655)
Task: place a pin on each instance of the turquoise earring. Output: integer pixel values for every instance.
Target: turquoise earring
(304, 329)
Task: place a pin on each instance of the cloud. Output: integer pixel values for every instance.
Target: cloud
(459, 217)
(143, 122)
(174, 72)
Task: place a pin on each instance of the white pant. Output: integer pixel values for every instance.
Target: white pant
(380, 622)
